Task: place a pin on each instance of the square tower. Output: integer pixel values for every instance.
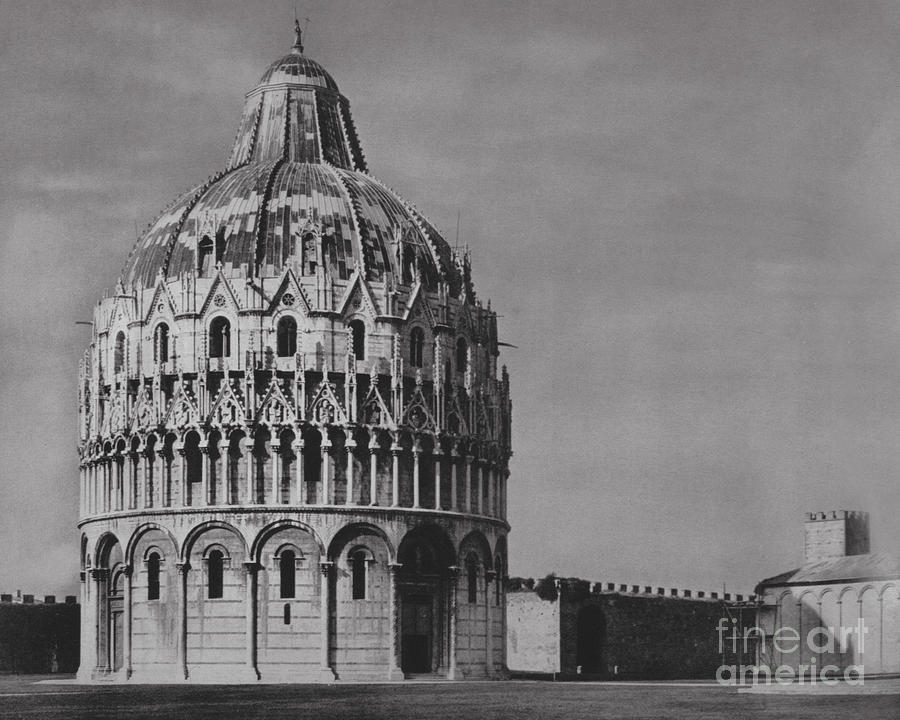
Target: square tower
(835, 534)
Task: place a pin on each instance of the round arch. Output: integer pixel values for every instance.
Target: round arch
(142, 530)
(353, 531)
(269, 530)
(195, 533)
(477, 542)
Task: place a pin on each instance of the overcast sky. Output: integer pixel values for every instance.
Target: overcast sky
(686, 213)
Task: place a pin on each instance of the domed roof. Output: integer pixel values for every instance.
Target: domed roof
(296, 175)
(299, 70)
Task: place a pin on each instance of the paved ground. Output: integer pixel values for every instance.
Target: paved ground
(21, 698)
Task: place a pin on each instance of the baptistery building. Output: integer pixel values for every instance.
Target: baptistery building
(294, 437)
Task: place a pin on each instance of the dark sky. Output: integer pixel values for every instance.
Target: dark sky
(686, 213)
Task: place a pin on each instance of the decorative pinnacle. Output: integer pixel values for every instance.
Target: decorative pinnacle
(298, 41)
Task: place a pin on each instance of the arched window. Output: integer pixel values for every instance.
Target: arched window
(358, 561)
(462, 355)
(287, 337)
(204, 256)
(416, 347)
(472, 579)
(161, 344)
(153, 576)
(358, 328)
(119, 355)
(220, 338)
(215, 566)
(287, 567)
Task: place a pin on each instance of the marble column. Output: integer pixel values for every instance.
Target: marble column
(453, 583)
(247, 447)
(326, 467)
(325, 671)
(395, 475)
(275, 498)
(394, 665)
(416, 490)
(436, 459)
(126, 619)
(454, 481)
(297, 484)
(489, 576)
(181, 641)
(250, 583)
(373, 473)
(351, 445)
(204, 473)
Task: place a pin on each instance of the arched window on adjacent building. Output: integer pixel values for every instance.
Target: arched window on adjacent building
(153, 576)
(359, 564)
(462, 355)
(287, 568)
(287, 337)
(204, 257)
(220, 338)
(358, 328)
(119, 353)
(417, 347)
(215, 570)
(472, 578)
(161, 344)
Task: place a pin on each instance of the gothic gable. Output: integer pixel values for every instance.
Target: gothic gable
(290, 295)
(275, 408)
(221, 296)
(358, 297)
(228, 408)
(325, 408)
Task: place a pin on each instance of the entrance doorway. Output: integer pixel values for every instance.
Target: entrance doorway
(417, 624)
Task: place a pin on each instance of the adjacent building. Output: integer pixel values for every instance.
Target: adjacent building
(842, 604)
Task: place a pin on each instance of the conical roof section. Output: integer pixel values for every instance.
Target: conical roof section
(296, 168)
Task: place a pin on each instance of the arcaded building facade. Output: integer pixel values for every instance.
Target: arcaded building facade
(840, 609)
(294, 438)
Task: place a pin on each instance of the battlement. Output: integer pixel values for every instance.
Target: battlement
(550, 587)
(25, 599)
(858, 515)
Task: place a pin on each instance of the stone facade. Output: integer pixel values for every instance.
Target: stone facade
(294, 436)
(573, 628)
(843, 603)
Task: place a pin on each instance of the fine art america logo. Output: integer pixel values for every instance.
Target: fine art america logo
(814, 649)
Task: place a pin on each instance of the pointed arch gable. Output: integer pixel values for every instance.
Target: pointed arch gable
(227, 409)
(289, 284)
(161, 296)
(417, 306)
(275, 408)
(182, 411)
(357, 286)
(145, 413)
(325, 408)
(375, 410)
(220, 286)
